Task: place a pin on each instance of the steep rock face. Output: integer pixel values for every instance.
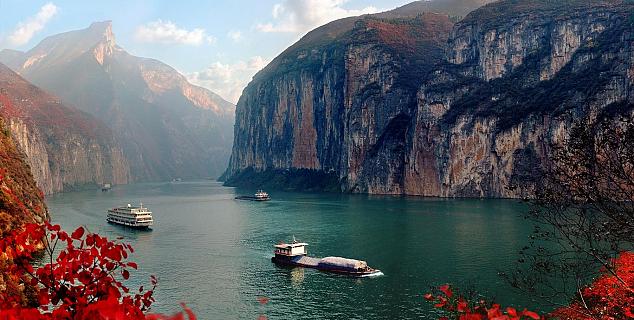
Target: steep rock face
(475, 122)
(517, 85)
(64, 147)
(324, 102)
(167, 127)
(21, 202)
(498, 38)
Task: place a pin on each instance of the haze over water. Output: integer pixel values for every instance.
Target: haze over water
(213, 252)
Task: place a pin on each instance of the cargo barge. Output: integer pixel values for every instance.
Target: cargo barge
(295, 254)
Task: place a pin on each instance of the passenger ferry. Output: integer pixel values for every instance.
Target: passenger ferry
(258, 196)
(131, 216)
(295, 254)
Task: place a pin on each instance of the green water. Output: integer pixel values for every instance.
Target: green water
(213, 252)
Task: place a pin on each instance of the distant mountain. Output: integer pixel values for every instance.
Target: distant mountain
(65, 147)
(168, 128)
(407, 102)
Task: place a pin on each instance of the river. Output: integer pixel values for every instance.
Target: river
(213, 252)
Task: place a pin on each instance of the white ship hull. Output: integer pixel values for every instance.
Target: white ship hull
(131, 225)
(133, 217)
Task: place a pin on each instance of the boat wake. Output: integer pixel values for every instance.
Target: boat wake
(372, 275)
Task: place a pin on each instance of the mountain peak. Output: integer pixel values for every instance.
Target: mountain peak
(98, 40)
(107, 24)
(106, 45)
(103, 28)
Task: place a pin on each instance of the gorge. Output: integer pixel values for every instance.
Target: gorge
(160, 126)
(402, 139)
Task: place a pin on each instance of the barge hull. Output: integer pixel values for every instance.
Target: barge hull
(313, 263)
(252, 198)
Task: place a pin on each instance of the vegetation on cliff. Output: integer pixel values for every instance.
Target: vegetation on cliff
(496, 14)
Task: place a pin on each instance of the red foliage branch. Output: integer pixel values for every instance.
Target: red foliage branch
(457, 307)
(609, 297)
(84, 281)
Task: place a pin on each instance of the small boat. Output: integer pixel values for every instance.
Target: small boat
(131, 216)
(295, 254)
(258, 196)
(106, 187)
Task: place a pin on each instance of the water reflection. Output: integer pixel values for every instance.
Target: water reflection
(297, 276)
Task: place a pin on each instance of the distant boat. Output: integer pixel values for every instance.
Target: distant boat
(131, 216)
(106, 187)
(258, 196)
(177, 180)
(295, 254)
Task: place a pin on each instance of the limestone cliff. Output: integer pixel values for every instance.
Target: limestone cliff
(406, 103)
(64, 147)
(21, 201)
(514, 85)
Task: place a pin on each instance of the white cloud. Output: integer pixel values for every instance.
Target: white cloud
(234, 35)
(211, 39)
(228, 80)
(167, 32)
(299, 16)
(27, 29)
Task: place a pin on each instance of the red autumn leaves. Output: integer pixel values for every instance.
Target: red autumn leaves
(461, 309)
(84, 280)
(609, 297)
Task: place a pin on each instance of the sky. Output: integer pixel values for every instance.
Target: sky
(219, 45)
